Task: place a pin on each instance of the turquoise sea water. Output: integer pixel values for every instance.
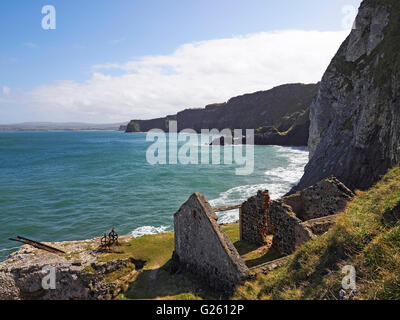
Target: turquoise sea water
(59, 186)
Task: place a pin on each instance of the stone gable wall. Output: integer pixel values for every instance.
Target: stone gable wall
(202, 248)
(286, 228)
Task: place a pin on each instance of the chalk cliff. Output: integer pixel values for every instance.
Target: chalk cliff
(355, 119)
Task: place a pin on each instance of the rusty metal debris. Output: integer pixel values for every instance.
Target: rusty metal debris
(109, 240)
(37, 245)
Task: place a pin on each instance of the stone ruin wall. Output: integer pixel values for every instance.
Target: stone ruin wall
(202, 248)
(320, 225)
(286, 228)
(325, 198)
(254, 219)
(294, 219)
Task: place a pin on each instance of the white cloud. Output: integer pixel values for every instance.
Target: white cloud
(194, 75)
(6, 91)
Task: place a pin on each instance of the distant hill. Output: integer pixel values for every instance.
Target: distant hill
(55, 126)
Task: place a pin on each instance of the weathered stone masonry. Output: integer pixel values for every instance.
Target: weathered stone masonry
(202, 248)
(294, 219)
(286, 228)
(325, 198)
(254, 226)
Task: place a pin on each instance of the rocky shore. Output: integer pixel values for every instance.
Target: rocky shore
(82, 273)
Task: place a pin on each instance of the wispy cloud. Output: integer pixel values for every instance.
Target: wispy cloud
(6, 91)
(4, 60)
(117, 41)
(194, 75)
(30, 45)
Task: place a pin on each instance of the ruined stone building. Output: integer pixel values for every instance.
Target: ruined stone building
(203, 248)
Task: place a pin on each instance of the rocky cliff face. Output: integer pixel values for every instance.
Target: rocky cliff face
(292, 132)
(279, 108)
(146, 125)
(355, 120)
(251, 111)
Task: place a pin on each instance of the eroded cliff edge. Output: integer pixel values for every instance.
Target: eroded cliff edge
(355, 119)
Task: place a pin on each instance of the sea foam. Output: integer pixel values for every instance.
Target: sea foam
(278, 181)
(147, 230)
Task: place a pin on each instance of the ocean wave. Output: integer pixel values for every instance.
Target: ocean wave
(9, 249)
(237, 195)
(148, 230)
(230, 216)
(278, 181)
(283, 178)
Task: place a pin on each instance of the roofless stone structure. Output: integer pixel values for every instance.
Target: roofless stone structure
(294, 219)
(202, 248)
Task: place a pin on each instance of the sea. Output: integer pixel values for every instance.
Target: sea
(76, 185)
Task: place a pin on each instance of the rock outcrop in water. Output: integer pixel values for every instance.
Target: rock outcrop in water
(280, 115)
(355, 120)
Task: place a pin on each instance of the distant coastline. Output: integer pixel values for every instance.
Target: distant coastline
(68, 126)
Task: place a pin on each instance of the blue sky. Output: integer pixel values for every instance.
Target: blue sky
(105, 32)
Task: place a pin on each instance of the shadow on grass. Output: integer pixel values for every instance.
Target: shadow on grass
(269, 256)
(162, 283)
(244, 247)
(254, 254)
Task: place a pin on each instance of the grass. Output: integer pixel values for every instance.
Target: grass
(367, 237)
(154, 280)
(89, 269)
(119, 274)
(155, 250)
